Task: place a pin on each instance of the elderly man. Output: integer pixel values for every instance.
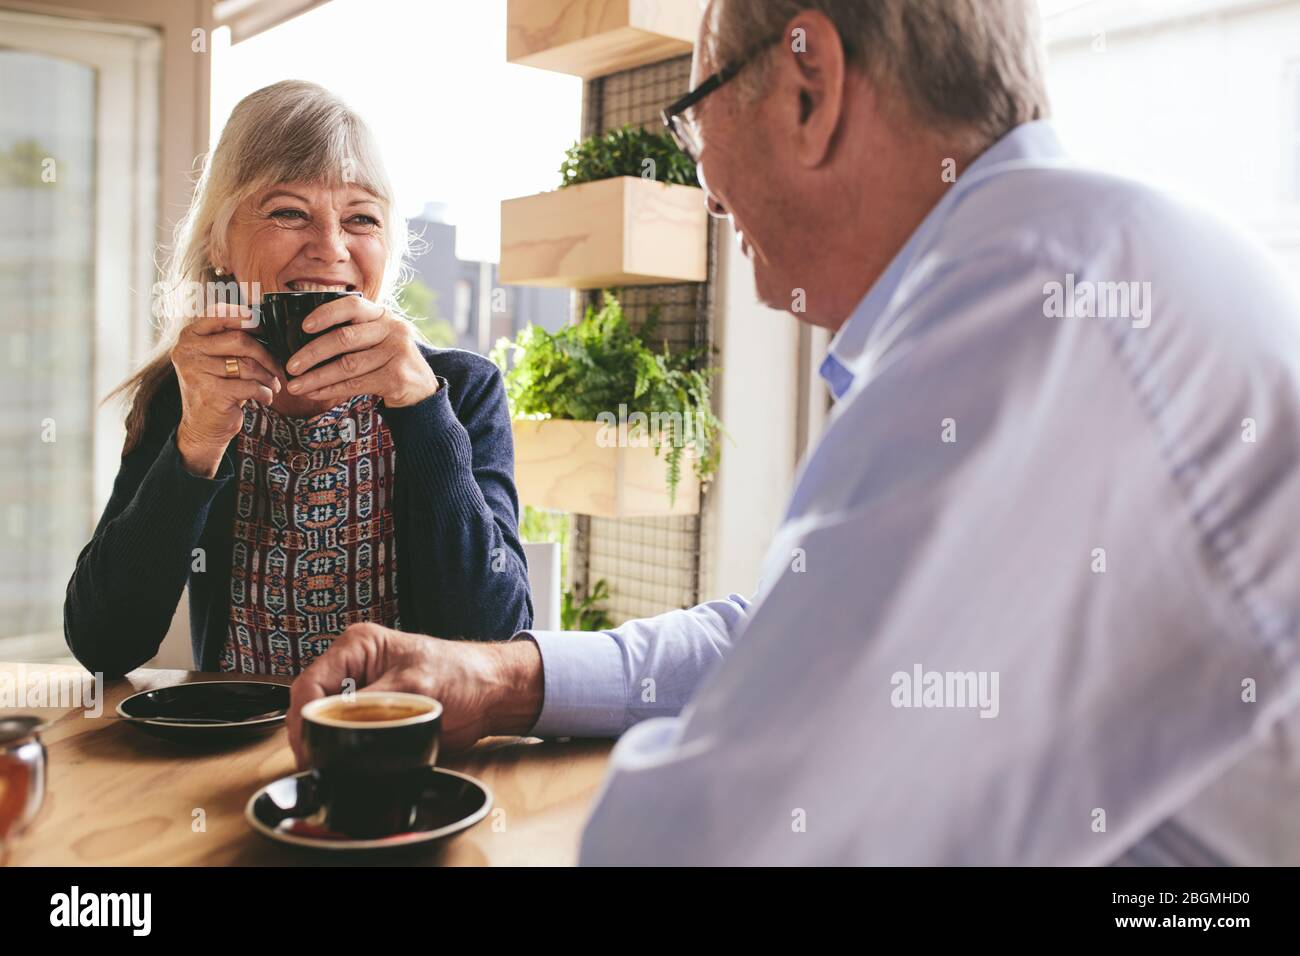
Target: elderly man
(1036, 596)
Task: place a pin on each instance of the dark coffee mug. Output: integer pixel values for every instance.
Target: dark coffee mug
(278, 320)
(370, 753)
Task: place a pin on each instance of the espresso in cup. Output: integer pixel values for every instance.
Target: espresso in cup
(369, 713)
(279, 316)
(370, 755)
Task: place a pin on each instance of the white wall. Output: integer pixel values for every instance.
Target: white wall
(759, 404)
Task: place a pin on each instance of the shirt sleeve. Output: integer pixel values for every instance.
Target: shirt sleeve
(600, 683)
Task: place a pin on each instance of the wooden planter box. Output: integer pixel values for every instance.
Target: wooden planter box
(560, 466)
(614, 232)
(590, 38)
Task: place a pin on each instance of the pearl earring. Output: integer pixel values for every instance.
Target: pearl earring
(217, 270)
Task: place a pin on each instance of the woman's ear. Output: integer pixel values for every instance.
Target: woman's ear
(812, 56)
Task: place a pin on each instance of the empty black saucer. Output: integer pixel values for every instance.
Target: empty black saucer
(289, 811)
(209, 710)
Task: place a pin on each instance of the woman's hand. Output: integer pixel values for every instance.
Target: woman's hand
(373, 352)
(212, 401)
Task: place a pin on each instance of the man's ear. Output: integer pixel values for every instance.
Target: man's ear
(810, 62)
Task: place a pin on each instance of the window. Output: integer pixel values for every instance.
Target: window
(79, 214)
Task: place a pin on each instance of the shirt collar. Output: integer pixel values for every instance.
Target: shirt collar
(1029, 141)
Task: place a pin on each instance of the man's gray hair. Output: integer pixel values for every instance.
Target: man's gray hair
(972, 67)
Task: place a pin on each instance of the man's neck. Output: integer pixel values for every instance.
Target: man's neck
(868, 232)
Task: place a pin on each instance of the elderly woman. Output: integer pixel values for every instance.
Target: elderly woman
(370, 480)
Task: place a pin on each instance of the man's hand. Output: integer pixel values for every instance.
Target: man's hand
(485, 689)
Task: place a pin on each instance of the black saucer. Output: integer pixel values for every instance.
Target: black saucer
(289, 811)
(238, 709)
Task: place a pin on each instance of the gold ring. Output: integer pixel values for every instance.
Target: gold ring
(232, 368)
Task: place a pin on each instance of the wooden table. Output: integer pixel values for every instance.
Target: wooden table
(119, 797)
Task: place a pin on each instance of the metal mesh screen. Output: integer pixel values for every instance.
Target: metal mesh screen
(651, 564)
(634, 97)
(679, 306)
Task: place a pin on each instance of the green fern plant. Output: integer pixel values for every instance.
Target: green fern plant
(585, 371)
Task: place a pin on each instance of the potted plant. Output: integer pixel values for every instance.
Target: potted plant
(586, 614)
(605, 423)
(590, 38)
(629, 211)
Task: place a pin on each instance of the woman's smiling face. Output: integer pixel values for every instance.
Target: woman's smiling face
(302, 237)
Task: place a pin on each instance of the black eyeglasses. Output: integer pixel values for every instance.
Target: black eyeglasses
(684, 132)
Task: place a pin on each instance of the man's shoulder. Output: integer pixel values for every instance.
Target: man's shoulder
(1095, 231)
(1052, 259)
(1084, 216)
(1056, 208)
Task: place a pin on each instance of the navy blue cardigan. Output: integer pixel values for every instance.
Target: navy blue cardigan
(461, 570)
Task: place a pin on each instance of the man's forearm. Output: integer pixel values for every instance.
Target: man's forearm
(519, 687)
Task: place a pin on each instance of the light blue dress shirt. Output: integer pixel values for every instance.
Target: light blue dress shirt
(1036, 596)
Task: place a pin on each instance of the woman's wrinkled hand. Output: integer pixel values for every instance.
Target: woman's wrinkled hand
(212, 401)
(369, 352)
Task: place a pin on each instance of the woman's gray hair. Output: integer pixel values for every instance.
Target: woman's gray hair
(964, 66)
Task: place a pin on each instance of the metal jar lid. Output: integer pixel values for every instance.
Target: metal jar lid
(19, 729)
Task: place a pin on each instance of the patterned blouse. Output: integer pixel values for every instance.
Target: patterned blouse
(314, 545)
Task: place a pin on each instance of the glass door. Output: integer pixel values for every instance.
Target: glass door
(78, 213)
